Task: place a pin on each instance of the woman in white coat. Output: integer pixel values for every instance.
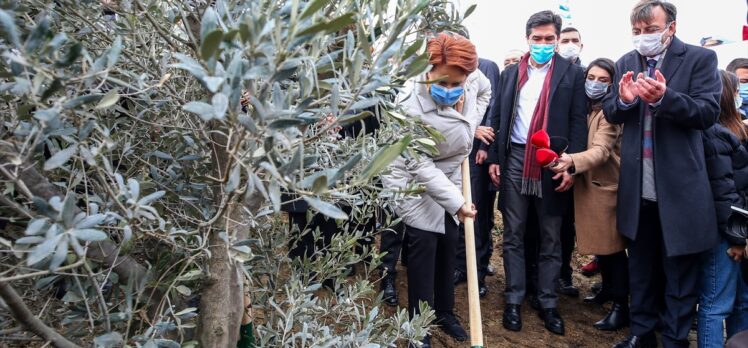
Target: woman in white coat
(453, 103)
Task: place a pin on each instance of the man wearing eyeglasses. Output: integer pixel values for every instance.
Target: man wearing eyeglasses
(665, 93)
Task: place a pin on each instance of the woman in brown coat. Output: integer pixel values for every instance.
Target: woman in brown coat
(595, 193)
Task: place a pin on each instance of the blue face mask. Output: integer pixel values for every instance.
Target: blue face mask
(743, 90)
(542, 53)
(446, 96)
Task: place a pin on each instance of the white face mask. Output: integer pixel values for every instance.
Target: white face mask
(650, 45)
(569, 51)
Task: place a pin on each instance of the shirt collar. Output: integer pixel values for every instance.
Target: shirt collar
(543, 68)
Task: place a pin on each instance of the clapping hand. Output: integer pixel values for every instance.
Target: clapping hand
(651, 90)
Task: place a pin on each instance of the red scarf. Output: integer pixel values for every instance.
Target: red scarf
(532, 172)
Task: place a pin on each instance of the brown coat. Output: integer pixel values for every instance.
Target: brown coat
(596, 188)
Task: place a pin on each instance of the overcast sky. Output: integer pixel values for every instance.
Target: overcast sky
(498, 26)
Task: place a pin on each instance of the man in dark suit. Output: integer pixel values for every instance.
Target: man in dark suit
(542, 91)
(665, 205)
(483, 194)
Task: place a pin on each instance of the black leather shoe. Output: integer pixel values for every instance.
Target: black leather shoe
(460, 277)
(482, 289)
(617, 318)
(490, 270)
(599, 298)
(389, 291)
(596, 287)
(566, 287)
(512, 317)
(534, 302)
(451, 326)
(552, 320)
(646, 341)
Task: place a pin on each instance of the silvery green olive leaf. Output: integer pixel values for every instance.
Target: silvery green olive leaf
(220, 105)
(204, 110)
(89, 234)
(326, 208)
(71, 55)
(210, 44)
(91, 221)
(109, 340)
(82, 100)
(109, 99)
(385, 156)
(212, 83)
(42, 250)
(313, 7)
(35, 227)
(38, 35)
(69, 208)
(190, 64)
(151, 198)
(60, 255)
(30, 240)
(8, 28)
(234, 178)
(133, 187)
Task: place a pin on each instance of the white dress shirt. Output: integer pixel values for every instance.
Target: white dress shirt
(528, 100)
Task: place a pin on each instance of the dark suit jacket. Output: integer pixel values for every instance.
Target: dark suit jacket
(690, 105)
(567, 118)
(492, 72)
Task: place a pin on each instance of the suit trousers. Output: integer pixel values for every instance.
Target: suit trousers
(392, 243)
(484, 200)
(549, 239)
(663, 289)
(305, 245)
(614, 270)
(431, 264)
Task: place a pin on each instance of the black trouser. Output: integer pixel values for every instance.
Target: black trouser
(392, 242)
(568, 240)
(484, 199)
(532, 249)
(663, 289)
(305, 245)
(614, 270)
(431, 264)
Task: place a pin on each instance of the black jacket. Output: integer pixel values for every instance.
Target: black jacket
(727, 166)
(492, 72)
(567, 118)
(690, 105)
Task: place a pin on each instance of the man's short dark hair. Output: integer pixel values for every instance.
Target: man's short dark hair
(571, 30)
(737, 63)
(642, 12)
(543, 18)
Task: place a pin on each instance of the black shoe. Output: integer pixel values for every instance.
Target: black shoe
(552, 319)
(460, 277)
(534, 302)
(389, 291)
(617, 318)
(646, 341)
(596, 287)
(490, 270)
(566, 287)
(512, 317)
(451, 326)
(599, 298)
(482, 289)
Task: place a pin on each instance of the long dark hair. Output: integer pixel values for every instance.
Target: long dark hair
(728, 113)
(607, 65)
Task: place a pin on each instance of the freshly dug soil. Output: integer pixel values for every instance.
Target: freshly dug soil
(578, 316)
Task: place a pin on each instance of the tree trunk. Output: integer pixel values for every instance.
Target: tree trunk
(221, 300)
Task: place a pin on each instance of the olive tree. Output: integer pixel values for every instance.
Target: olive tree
(147, 147)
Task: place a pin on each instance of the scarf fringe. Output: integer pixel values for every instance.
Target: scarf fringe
(532, 187)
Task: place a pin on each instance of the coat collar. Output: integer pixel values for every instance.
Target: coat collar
(673, 58)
